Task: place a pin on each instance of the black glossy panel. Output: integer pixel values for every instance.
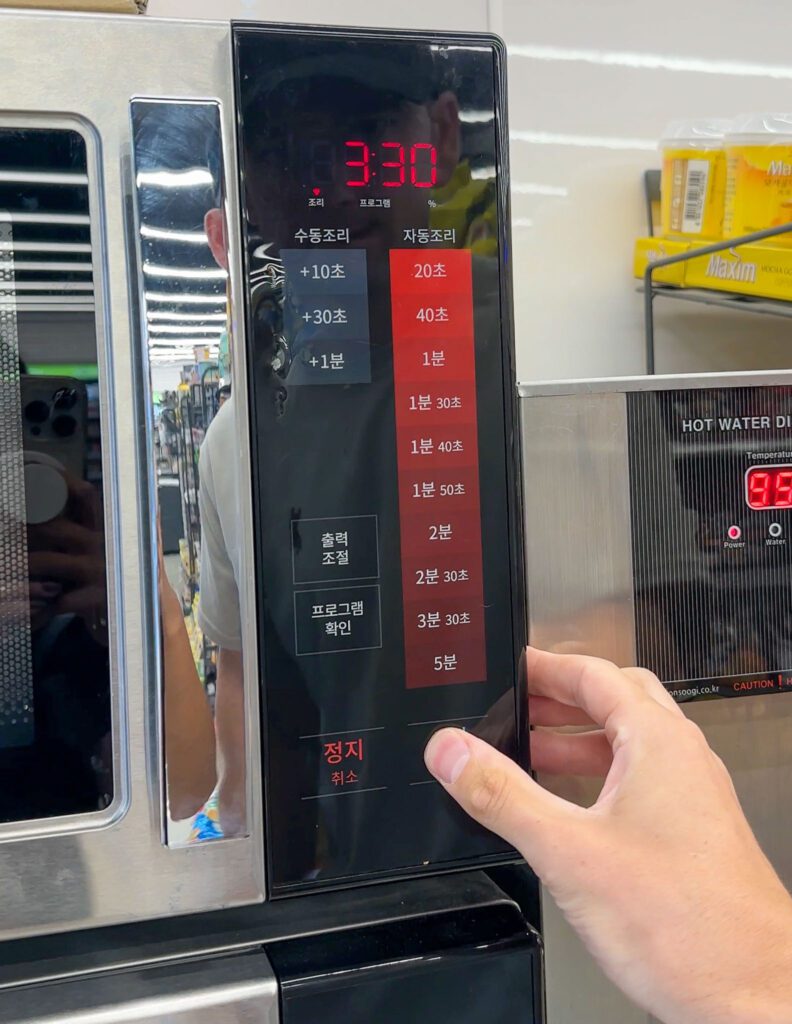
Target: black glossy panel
(380, 356)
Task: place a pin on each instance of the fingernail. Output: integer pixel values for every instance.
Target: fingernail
(446, 756)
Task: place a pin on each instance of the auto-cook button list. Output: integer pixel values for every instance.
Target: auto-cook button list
(437, 452)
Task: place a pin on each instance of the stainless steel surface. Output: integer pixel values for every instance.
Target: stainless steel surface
(231, 989)
(124, 872)
(180, 187)
(658, 382)
(579, 578)
(577, 524)
(43, 959)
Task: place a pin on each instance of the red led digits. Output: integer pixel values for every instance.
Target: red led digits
(759, 489)
(364, 164)
(783, 489)
(393, 163)
(769, 488)
(398, 165)
(418, 177)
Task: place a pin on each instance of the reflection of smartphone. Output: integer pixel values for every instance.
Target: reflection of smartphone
(53, 418)
(54, 412)
(54, 440)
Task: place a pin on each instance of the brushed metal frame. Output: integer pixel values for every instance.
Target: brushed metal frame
(68, 874)
(659, 382)
(579, 569)
(230, 988)
(591, 436)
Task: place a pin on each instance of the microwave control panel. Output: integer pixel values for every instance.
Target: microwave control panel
(380, 387)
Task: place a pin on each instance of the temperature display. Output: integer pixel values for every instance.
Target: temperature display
(769, 487)
(391, 165)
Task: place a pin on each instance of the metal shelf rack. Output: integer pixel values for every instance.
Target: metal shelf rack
(702, 296)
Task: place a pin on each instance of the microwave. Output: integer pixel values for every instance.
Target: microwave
(261, 515)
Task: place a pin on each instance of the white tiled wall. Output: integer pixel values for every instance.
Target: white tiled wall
(592, 85)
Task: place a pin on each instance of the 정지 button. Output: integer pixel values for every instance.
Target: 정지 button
(344, 763)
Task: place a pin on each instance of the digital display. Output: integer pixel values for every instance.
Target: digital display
(769, 487)
(713, 606)
(398, 165)
(381, 376)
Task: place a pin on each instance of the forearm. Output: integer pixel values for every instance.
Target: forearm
(762, 965)
(189, 730)
(230, 729)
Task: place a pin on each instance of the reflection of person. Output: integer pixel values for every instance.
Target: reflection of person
(351, 106)
(662, 877)
(276, 198)
(67, 595)
(67, 768)
(221, 570)
(189, 730)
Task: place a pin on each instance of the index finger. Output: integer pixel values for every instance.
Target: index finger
(602, 691)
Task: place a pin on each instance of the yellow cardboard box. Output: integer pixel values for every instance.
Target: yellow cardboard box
(647, 250)
(761, 270)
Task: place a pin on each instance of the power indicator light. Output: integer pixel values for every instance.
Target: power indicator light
(734, 533)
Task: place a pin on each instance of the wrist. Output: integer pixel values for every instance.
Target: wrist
(171, 610)
(763, 961)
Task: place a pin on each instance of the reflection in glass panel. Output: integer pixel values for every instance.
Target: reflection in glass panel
(55, 705)
(184, 261)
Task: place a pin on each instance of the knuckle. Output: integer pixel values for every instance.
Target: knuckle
(692, 733)
(489, 797)
(642, 676)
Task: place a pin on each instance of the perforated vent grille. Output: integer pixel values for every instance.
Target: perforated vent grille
(16, 670)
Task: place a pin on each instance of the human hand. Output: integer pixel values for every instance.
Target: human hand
(66, 561)
(662, 876)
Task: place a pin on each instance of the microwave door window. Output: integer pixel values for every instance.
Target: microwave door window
(56, 742)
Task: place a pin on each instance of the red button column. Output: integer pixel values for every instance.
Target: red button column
(434, 370)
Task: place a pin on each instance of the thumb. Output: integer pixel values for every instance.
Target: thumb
(499, 795)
